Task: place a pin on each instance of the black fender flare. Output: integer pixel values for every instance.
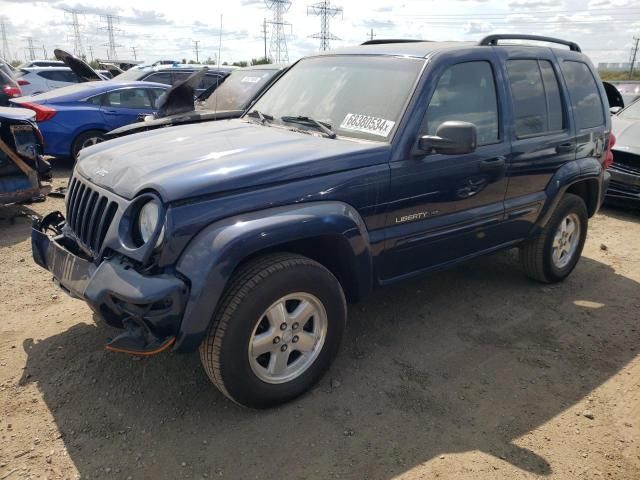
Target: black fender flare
(566, 176)
(212, 256)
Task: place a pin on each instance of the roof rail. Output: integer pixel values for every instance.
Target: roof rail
(383, 41)
(492, 40)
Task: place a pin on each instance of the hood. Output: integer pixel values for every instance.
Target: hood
(180, 98)
(627, 134)
(79, 67)
(205, 158)
(196, 116)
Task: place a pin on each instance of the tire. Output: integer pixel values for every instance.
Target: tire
(245, 316)
(84, 139)
(537, 254)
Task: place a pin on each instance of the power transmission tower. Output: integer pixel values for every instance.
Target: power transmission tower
(135, 56)
(634, 55)
(278, 48)
(31, 48)
(91, 52)
(196, 49)
(264, 32)
(111, 44)
(371, 35)
(6, 53)
(326, 12)
(78, 48)
(44, 51)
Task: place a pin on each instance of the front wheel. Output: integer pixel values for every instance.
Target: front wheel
(277, 330)
(553, 254)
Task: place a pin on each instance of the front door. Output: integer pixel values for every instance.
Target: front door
(125, 106)
(447, 207)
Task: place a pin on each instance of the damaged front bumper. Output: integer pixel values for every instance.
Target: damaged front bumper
(148, 307)
(625, 185)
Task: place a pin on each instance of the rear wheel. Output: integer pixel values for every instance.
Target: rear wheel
(86, 139)
(277, 330)
(553, 254)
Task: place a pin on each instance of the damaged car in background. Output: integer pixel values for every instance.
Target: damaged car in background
(24, 174)
(235, 94)
(624, 189)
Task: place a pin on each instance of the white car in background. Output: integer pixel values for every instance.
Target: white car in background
(34, 80)
(42, 63)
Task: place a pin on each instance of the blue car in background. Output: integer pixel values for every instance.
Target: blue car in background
(77, 116)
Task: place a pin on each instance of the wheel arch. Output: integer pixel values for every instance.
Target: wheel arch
(331, 233)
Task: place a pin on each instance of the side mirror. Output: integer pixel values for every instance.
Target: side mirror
(614, 110)
(451, 138)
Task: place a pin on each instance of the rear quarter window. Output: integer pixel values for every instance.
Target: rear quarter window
(584, 93)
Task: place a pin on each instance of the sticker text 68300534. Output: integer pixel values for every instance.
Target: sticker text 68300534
(367, 124)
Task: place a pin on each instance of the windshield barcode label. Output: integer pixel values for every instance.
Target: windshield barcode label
(367, 124)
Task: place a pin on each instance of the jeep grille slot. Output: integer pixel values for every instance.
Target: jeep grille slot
(89, 214)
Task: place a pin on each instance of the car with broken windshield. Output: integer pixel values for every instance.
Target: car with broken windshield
(246, 239)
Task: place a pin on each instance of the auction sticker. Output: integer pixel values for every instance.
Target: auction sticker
(250, 80)
(367, 124)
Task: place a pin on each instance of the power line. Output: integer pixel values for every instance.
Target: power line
(111, 45)
(634, 55)
(326, 12)
(278, 52)
(613, 11)
(196, 49)
(78, 48)
(264, 32)
(31, 48)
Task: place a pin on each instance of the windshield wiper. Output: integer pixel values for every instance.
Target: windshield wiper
(263, 117)
(324, 127)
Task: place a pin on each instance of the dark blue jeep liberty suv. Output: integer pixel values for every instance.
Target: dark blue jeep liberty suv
(356, 169)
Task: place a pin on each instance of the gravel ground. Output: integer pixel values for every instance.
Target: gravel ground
(472, 373)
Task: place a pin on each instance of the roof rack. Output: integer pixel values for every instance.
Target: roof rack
(383, 41)
(492, 40)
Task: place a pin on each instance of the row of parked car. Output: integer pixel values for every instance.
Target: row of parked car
(245, 238)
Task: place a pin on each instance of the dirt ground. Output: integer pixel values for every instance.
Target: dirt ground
(471, 373)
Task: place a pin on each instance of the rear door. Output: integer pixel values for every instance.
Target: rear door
(541, 133)
(126, 105)
(59, 78)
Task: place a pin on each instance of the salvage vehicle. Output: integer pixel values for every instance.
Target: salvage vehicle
(24, 174)
(37, 80)
(172, 74)
(625, 170)
(9, 88)
(228, 100)
(246, 238)
(80, 115)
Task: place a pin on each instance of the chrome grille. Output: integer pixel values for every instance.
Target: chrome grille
(89, 214)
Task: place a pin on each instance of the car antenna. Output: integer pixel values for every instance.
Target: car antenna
(215, 108)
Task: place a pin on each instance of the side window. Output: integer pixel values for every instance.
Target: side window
(584, 93)
(466, 92)
(135, 98)
(208, 81)
(159, 77)
(180, 76)
(97, 100)
(536, 97)
(46, 74)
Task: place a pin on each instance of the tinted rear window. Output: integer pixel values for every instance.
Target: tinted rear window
(584, 93)
(536, 97)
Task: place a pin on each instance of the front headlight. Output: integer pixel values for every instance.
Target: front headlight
(148, 221)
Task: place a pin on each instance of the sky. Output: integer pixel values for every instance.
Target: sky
(167, 29)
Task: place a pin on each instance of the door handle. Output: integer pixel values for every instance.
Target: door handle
(565, 147)
(493, 163)
(110, 112)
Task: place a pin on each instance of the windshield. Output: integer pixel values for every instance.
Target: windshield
(632, 112)
(238, 90)
(356, 96)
